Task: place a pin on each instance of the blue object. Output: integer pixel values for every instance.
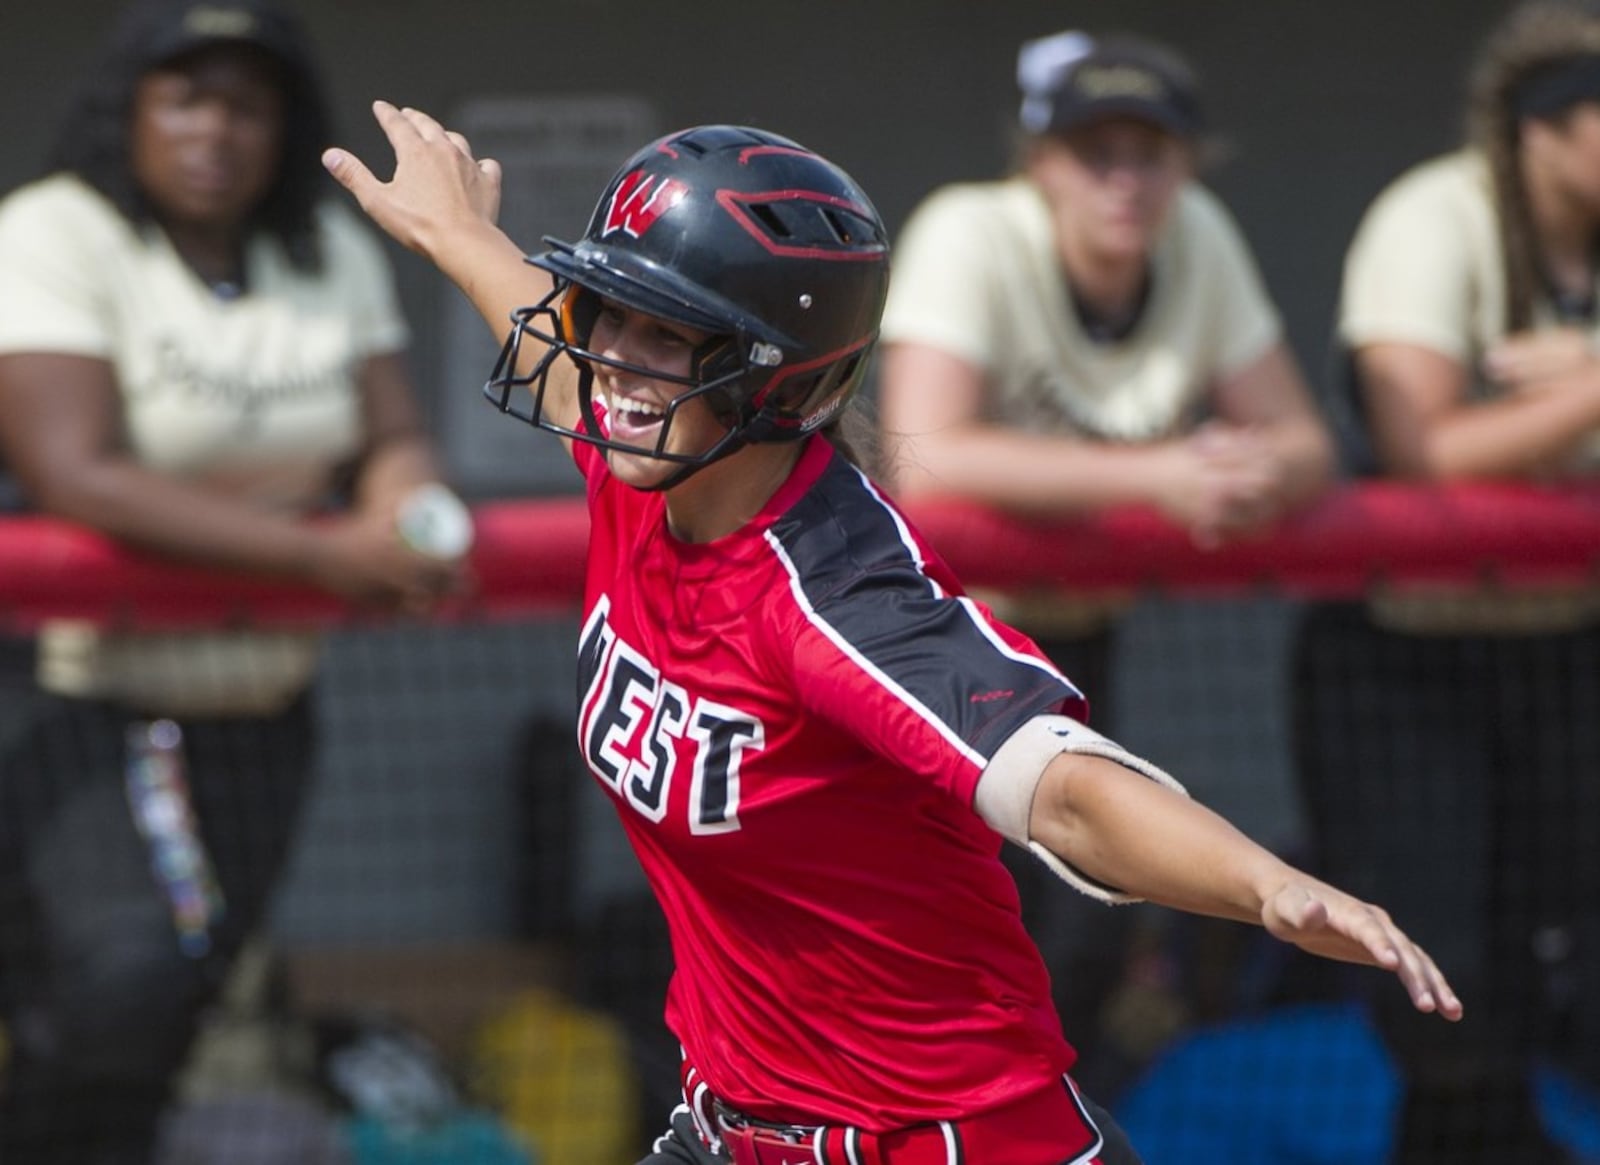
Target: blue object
(1571, 1113)
(474, 1138)
(1302, 1085)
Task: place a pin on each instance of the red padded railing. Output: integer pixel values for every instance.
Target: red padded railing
(529, 556)
(1361, 534)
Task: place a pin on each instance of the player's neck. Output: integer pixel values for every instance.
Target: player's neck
(726, 495)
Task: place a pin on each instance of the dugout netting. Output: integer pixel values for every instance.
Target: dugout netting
(460, 958)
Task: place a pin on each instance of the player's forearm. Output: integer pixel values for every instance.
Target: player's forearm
(1128, 832)
(1048, 476)
(490, 269)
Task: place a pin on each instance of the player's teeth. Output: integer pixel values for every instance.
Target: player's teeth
(637, 408)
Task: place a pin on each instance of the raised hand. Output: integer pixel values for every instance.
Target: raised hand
(438, 186)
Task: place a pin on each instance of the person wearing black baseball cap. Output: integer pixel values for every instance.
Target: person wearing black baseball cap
(196, 345)
(1052, 343)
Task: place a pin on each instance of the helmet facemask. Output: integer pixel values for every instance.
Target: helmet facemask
(563, 322)
(744, 236)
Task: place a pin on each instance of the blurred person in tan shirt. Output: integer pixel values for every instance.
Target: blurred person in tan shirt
(200, 352)
(1093, 332)
(1448, 738)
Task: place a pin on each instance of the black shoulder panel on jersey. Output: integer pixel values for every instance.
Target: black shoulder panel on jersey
(862, 577)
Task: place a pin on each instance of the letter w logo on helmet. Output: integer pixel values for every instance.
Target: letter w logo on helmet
(639, 201)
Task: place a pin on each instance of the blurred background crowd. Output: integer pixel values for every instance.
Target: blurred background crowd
(281, 894)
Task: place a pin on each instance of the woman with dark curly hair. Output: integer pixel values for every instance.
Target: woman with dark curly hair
(1449, 740)
(197, 353)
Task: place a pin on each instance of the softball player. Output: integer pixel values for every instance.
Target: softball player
(815, 741)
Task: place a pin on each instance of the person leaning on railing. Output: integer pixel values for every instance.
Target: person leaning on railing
(1448, 739)
(1093, 332)
(195, 347)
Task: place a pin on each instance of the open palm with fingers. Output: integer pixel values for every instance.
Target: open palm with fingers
(1328, 922)
(437, 183)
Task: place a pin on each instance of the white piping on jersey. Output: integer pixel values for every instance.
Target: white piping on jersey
(665, 1138)
(864, 663)
(906, 539)
(696, 1093)
(1088, 1156)
(987, 630)
(852, 1144)
(967, 604)
(713, 1135)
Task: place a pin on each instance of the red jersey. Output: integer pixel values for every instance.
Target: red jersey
(792, 721)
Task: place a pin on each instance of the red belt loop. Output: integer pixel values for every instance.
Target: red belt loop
(848, 1145)
(871, 1150)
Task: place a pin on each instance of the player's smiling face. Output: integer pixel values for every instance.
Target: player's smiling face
(637, 404)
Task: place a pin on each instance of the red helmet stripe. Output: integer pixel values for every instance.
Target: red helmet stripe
(733, 202)
(746, 154)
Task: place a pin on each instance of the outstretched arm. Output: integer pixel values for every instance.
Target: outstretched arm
(1124, 830)
(442, 203)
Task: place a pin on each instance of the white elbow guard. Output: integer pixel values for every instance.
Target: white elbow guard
(1005, 791)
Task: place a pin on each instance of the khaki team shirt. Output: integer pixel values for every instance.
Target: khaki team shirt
(977, 275)
(1424, 268)
(255, 398)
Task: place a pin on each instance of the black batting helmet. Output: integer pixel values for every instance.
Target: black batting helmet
(736, 232)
